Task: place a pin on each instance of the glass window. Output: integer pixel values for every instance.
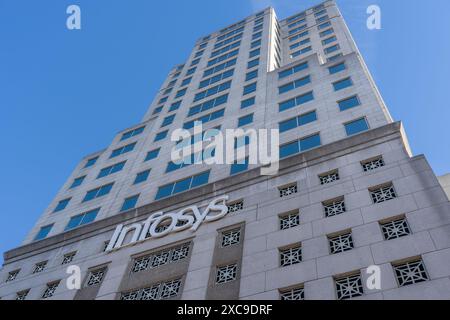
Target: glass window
(168, 120)
(239, 167)
(157, 110)
(348, 103)
(142, 176)
(254, 53)
(245, 120)
(251, 75)
(82, 219)
(292, 70)
(160, 135)
(304, 98)
(43, 232)
(331, 49)
(174, 106)
(300, 145)
(329, 40)
(298, 121)
(62, 205)
(122, 150)
(91, 162)
(182, 185)
(249, 88)
(111, 169)
(295, 84)
(248, 102)
(356, 126)
(186, 81)
(337, 68)
(152, 154)
(132, 133)
(253, 63)
(342, 84)
(129, 203)
(77, 182)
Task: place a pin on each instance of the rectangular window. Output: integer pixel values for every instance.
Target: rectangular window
(300, 52)
(238, 167)
(298, 36)
(207, 105)
(217, 78)
(255, 44)
(295, 30)
(297, 293)
(372, 164)
(249, 88)
(383, 193)
(207, 118)
(324, 25)
(395, 228)
(334, 207)
(322, 19)
(77, 181)
(288, 190)
(50, 290)
(186, 81)
(225, 49)
(227, 41)
(162, 100)
(245, 120)
(349, 286)
(331, 49)
(292, 70)
(253, 63)
(226, 274)
(356, 126)
(299, 100)
(191, 71)
(223, 57)
(299, 146)
(326, 32)
(43, 232)
(289, 220)
(290, 256)
(251, 75)
(410, 272)
(297, 121)
(329, 177)
(160, 135)
(254, 53)
(129, 203)
(82, 219)
(111, 169)
(152, 154)
(342, 84)
(122, 150)
(294, 84)
(62, 205)
(167, 91)
(98, 192)
(348, 103)
(168, 120)
(175, 106)
(212, 91)
(219, 67)
(180, 93)
(337, 68)
(299, 44)
(231, 237)
(141, 176)
(329, 40)
(157, 110)
(340, 243)
(195, 62)
(247, 103)
(91, 162)
(256, 35)
(182, 185)
(132, 133)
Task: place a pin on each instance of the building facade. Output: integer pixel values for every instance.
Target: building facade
(349, 194)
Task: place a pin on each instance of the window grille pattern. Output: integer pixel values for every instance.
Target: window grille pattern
(334, 207)
(410, 273)
(341, 243)
(39, 267)
(329, 177)
(349, 287)
(68, 258)
(383, 194)
(230, 238)
(161, 258)
(395, 229)
(289, 221)
(96, 277)
(50, 290)
(22, 295)
(373, 164)
(293, 294)
(226, 273)
(159, 291)
(235, 206)
(290, 256)
(287, 191)
(12, 275)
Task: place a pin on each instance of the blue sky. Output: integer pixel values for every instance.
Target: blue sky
(65, 94)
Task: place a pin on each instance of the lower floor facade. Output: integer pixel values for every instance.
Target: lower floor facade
(330, 221)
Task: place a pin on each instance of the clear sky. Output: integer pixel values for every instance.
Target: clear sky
(65, 94)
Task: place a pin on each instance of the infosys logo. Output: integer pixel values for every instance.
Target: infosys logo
(161, 224)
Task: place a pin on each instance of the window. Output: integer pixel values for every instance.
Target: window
(167, 91)
(290, 256)
(158, 291)
(68, 258)
(235, 206)
(239, 167)
(324, 25)
(231, 237)
(256, 35)
(227, 41)
(122, 150)
(206, 118)
(50, 290)
(329, 40)
(319, 13)
(372, 164)
(216, 78)
(331, 49)
(341, 243)
(297, 293)
(301, 21)
(254, 53)
(342, 84)
(160, 135)
(12, 275)
(348, 103)
(288, 190)
(132, 133)
(299, 100)
(91, 162)
(82, 219)
(98, 192)
(157, 110)
(295, 84)
(226, 48)
(160, 258)
(245, 120)
(330, 177)
(22, 294)
(180, 93)
(297, 16)
(129, 203)
(182, 185)
(251, 75)
(337, 68)
(111, 169)
(199, 53)
(141, 176)
(223, 57)
(326, 32)
(298, 121)
(299, 44)
(382, 193)
(43, 232)
(226, 273)
(334, 207)
(253, 63)
(301, 145)
(356, 126)
(175, 106)
(76, 182)
(395, 228)
(300, 52)
(219, 67)
(162, 100)
(255, 44)
(203, 46)
(349, 287)
(167, 120)
(176, 74)
(298, 36)
(195, 62)
(191, 71)
(322, 19)
(247, 102)
(410, 272)
(62, 205)
(213, 90)
(39, 267)
(292, 70)
(96, 277)
(295, 30)
(289, 220)
(186, 81)
(152, 154)
(208, 105)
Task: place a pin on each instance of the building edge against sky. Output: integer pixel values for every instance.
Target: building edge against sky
(349, 193)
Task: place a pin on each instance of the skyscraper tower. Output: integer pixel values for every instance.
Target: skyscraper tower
(349, 194)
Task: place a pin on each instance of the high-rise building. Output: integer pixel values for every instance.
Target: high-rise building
(349, 194)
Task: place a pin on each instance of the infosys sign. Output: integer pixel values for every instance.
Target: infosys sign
(188, 218)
